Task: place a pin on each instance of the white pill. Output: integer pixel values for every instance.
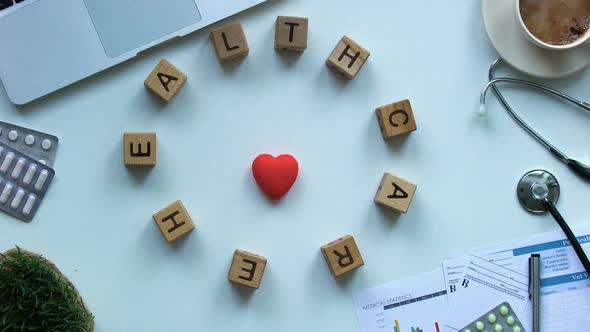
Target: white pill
(30, 140)
(13, 135)
(18, 198)
(43, 162)
(29, 174)
(46, 144)
(41, 180)
(6, 163)
(18, 168)
(29, 204)
(5, 193)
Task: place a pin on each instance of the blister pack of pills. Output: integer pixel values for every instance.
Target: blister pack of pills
(23, 182)
(38, 145)
(500, 319)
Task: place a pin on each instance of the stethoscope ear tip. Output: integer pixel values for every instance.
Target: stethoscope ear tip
(482, 112)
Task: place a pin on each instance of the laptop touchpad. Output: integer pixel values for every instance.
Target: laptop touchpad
(124, 25)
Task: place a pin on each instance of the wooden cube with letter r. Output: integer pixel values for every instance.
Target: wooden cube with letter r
(247, 269)
(165, 80)
(174, 221)
(342, 255)
(139, 149)
(395, 193)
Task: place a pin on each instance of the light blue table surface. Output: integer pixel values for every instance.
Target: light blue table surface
(96, 224)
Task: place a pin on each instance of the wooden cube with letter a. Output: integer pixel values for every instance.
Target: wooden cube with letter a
(174, 221)
(395, 193)
(247, 269)
(342, 255)
(291, 33)
(165, 80)
(139, 149)
(229, 42)
(396, 119)
(348, 57)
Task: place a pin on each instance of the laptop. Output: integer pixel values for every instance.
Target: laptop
(49, 44)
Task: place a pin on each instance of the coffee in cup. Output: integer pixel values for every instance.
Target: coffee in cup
(556, 22)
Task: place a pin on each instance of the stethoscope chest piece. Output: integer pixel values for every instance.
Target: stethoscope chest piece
(534, 187)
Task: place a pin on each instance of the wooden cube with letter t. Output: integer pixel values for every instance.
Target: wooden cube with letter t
(247, 269)
(396, 119)
(291, 33)
(342, 255)
(348, 57)
(139, 149)
(174, 221)
(229, 42)
(395, 193)
(165, 80)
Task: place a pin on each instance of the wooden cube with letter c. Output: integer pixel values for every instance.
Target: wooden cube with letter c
(348, 57)
(139, 149)
(165, 80)
(396, 119)
(174, 221)
(395, 193)
(342, 255)
(247, 269)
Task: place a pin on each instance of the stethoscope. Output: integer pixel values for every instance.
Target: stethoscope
(538, 190)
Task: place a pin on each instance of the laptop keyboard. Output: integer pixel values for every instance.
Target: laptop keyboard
(8, 3)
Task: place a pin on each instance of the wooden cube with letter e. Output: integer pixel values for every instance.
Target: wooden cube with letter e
(139, 149)
(174, 221)
(165, 80)
(247, 269)
(342, 255)
(395, 192)
(396, 119)
(229, 42)
(348, 58)
(291, 33)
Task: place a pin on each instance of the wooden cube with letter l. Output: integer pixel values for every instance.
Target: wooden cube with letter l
(229, 42)
(342, 255)
(348, 57)
(165, 80)
(396, 119)
(139, 149)
(247, 269)
(395, 192)
(174, 221)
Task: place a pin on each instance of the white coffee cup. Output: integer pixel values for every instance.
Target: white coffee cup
(543, 44)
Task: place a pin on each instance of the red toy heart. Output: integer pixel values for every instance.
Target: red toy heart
(275, 176)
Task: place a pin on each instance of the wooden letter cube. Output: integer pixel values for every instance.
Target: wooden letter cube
(247, 269)
(229, 42)
(139, 149)
(174, 221)
(291, 33)
(396, 119)
(342, 255)
(165, 80)
(395, 192)
(348, 57)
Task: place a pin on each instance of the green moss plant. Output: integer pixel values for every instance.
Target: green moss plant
(35, 296)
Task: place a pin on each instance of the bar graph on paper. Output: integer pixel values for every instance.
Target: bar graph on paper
(396, 328)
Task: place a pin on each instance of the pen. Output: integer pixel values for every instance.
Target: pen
(535, 289)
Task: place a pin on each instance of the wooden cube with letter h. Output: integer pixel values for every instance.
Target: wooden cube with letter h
(139, 149)
(291, 33)
(348, 58)
(247, 269)
(165, 80)
(229, 42)
(396, 119)
(174, 221)
(395, 193)
(342, 255)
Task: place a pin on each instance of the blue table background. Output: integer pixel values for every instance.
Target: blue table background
(96, 224)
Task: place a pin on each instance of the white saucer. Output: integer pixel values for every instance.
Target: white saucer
(507, 36)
